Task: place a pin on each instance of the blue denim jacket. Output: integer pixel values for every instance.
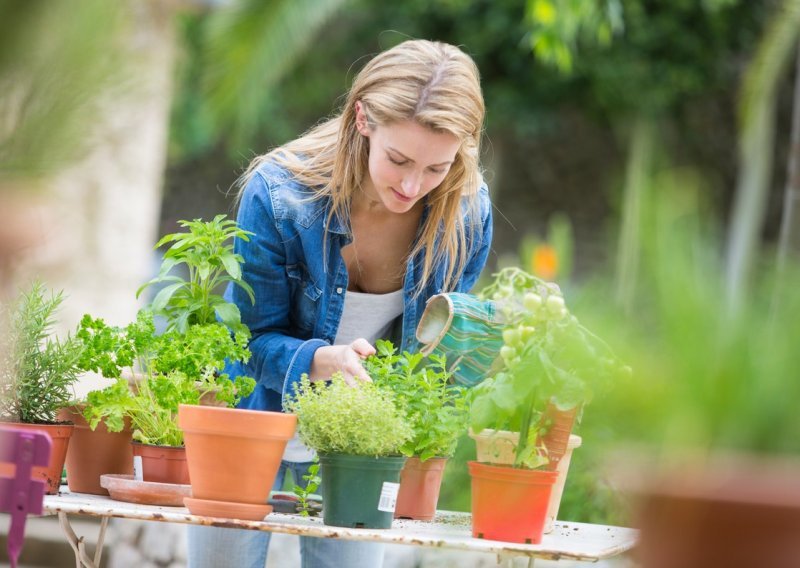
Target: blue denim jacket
(300, 279)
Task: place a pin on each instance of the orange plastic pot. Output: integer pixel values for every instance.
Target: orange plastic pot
(234, 454)
(509, 504)
(51, 474)
(93, 453)
(420, 482)
(162, 464)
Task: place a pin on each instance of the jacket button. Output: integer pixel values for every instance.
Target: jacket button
(339, 290)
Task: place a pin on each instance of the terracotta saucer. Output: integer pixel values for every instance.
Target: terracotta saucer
(227, 509)
(123, 487)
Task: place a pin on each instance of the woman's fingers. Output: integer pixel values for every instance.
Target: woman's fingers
(362, 347)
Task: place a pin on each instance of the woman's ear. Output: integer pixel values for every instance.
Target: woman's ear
(362, 124)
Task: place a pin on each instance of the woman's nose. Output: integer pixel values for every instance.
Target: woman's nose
(411, 184)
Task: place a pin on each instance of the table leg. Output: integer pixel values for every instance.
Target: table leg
(78, 545)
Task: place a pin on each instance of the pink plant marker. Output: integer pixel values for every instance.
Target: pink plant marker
(20, 495)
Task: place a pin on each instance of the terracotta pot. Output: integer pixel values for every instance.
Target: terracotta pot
(51, 475)
(234, 454)
(556, 438)
(419, 488)
(93, 453)
(495, 446)
(736, 512)
(162, 464)
(558, 487)
(509, 504)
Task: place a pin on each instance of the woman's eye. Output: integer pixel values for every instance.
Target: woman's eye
(438, 171)
(397, 162)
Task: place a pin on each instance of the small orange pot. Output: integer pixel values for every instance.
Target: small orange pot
(51, 475)
(234, 454)
(420, 482)
(509, 504)
(93, 453)
(162, 464)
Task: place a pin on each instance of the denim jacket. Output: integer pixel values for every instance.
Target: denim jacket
(294, 264)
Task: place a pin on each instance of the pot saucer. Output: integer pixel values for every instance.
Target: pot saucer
(123, 487)
(227, 509)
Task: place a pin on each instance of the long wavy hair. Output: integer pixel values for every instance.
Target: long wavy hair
(432, 83)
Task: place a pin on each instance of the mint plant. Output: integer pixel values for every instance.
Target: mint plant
(336, 418)
(36, 370)
(547, 356)
(436, 410)
(303, 492)
(206, 252)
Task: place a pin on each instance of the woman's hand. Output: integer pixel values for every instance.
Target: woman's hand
(345, 359)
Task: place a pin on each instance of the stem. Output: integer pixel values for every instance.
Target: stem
(524, 429)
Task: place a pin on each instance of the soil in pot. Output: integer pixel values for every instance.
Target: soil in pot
(359, 491)
(420, 482)
(93, 453)
(162, 464)
(51, 474)
(509, 504)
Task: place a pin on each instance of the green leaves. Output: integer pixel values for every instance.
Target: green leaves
(36, 371)
(436, 410)
(205, 253)
(336, 418)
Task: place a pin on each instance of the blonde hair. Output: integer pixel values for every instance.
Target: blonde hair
(434, 84)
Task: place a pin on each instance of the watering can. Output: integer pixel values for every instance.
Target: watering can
(467, 330)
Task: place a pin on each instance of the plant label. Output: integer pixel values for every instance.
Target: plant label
(138, 474)
(388, 500)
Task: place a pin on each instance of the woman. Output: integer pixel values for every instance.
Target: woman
(356, 224)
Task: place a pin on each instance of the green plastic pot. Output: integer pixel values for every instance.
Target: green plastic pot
(359, 491)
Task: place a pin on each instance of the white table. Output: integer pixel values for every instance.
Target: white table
(569, 541)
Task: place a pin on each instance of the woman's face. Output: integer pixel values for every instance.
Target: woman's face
(406, 162)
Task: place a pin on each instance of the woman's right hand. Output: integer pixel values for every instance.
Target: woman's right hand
(345, 359)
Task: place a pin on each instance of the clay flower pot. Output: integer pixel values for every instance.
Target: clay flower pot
(558, 488)
(509, 504)
(162, 464)
(556, 439)
(93, 453)
(420, 482)
(233, 454)
(51, 474)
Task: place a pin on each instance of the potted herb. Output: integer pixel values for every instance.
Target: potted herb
(549, 366)
(358, 434)
(182, 365)
(37, 374)
(437, 413)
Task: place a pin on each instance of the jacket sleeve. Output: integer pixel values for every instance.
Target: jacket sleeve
(480, 239)
(278, 360)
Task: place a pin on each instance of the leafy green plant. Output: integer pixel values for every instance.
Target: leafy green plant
(336, 418)
(37, 371)
(547, 357)
(206, 252)
(110, 349)
(304, 492)
(436, 410)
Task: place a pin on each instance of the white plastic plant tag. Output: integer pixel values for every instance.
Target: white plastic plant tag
(137, 468)
(388, 500)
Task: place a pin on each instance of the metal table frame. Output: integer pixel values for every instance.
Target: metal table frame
(567, 541)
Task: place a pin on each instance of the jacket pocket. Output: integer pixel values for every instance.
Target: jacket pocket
(305, 299)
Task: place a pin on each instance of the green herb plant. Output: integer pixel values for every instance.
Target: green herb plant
(436, 410)
(547, 357)
(206, 253)
(334, 418)
(38, 371)
(304, 492)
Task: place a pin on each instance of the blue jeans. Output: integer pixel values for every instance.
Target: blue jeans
(215, 547)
